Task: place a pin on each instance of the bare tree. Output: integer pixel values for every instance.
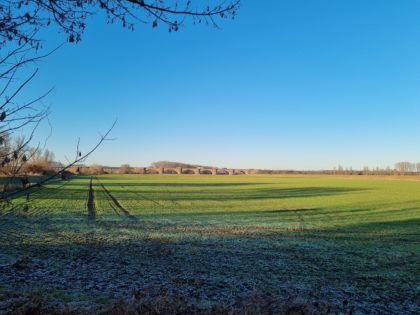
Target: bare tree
(405, 167)
(19, 115)
(97, 169)
(366, 170)
(79, 158)
(19, 20)
(125, 169)
(40, 162)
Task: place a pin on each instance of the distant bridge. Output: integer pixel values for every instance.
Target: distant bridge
(184, 170)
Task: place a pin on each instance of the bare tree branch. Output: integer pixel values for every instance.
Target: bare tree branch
(79, 158)
(20, 20)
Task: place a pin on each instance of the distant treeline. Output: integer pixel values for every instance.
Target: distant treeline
(334, 172)
(401, 168)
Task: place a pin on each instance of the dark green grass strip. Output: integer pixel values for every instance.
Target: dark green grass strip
(91, 202)
(115, 201)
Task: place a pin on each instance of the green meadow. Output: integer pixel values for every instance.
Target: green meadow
(320, 244)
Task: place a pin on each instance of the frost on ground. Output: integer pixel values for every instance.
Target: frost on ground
(203, 270)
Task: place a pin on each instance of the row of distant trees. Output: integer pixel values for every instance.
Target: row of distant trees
(407, 167)
(400, 168)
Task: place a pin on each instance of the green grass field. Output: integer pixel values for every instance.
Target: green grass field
(219, 243)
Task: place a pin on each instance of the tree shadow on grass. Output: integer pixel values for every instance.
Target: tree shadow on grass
(217, 269)
(403, 227)
(183, 184)
(209, 194)
(249, 194)
(287, 211)
(337, 211)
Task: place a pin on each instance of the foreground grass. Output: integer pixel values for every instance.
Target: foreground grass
(255, 243)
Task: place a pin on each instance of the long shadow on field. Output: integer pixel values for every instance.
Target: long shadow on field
(403, 227)
(286, 211)
(209, 194)
(91, 202)
(168, 184)
(249, 194)
(184, 184)
(257, 214)
(217, 267)
(365, 212)
(400, 231)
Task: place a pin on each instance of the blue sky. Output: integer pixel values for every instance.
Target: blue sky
(288, 84)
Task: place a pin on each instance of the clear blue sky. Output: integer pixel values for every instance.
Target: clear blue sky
(288, 84)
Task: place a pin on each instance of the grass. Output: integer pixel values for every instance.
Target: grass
(221, 242)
